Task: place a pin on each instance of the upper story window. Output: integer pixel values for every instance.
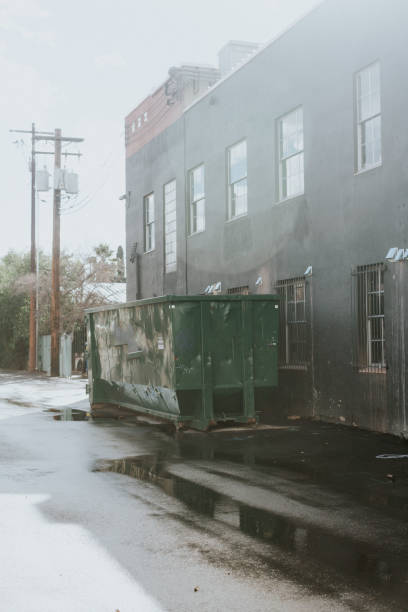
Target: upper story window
(149, 223)
(237, 180)
(145, 116)
(291, 155)
(139, 122)
(197, 200)
(368, 106)
(170, 227)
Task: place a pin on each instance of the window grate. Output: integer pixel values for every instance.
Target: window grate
(368, 316)
(294, 327)
(244, 290)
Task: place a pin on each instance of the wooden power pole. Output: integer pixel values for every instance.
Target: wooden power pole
(55, 291)
(32, 350)
(57, 138)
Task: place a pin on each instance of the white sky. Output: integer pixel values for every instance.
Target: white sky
(82, 66)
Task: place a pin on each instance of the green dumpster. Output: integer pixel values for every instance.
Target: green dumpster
(193, 360)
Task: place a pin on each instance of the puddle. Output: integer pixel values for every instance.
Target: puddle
(19, 403)
(392, 456)
(341, 459)
(360, 561)
(70, 414)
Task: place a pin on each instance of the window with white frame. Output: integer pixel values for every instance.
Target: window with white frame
(291, 154)
(139, 122)
(293, 326)
(170, 227)
(149, 223)
(369, 310)
(197, 200)
(368, 106)
(237, 180)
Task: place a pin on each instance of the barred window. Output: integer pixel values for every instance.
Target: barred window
(369, 317)
(244, 290)
(293, 331)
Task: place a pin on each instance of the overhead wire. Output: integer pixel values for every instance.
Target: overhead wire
(154, 120)
(77, 206)
(85, 200)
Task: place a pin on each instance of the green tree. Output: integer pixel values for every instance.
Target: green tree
(120, 265)
(103, 252)
(80, 279)
(14, 311)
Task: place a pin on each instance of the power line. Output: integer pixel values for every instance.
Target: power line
(79, 205)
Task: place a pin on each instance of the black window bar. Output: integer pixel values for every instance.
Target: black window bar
(244, 290)
(368, 318)
(293, 324)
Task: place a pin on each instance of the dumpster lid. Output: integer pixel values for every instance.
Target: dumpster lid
(264, 297)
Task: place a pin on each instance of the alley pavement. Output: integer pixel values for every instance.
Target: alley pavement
(122, 515)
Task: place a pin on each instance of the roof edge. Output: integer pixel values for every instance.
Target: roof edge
(262, 48)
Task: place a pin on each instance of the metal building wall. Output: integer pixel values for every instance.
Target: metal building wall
(344, 219)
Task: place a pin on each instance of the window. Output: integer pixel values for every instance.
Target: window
(291, 155)
(139, 122)
(149, 223)
(145, 116)
(197, 200)
(368, 106)
(369, 314)
(170, 227)
(237, 180)
(244, 290)
(293, 328)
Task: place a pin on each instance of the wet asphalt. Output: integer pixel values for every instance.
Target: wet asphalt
(115, 514)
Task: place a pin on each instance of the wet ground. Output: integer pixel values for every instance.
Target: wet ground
(108, 514)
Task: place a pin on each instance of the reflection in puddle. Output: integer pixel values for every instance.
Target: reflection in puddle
(356, 559)
(71, 414)
(335, 458)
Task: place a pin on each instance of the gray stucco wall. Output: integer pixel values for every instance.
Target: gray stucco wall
(343, 219)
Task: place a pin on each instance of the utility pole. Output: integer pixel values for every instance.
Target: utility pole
(32, 351)
(55, 292)
(57, 137)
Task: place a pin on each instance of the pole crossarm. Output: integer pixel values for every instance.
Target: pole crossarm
(53, 153)
(30, 132)
(59, 138)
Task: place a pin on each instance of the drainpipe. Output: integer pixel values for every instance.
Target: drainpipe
(186, 208)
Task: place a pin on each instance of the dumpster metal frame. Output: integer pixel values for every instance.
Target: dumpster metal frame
(109, 392)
